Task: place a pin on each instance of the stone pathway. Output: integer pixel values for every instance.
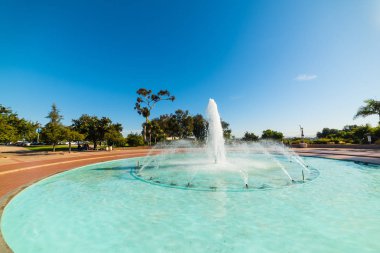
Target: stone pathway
(23, 170)
(360, 155)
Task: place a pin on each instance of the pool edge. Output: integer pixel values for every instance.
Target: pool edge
(5, 199)
(4, 247)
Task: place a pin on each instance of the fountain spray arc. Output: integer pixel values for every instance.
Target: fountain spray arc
(185, 164)
(215, 139)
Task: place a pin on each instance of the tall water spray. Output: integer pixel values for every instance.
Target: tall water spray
(260, 165)
(215, 140)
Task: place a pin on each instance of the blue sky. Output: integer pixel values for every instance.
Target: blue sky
(268, 64)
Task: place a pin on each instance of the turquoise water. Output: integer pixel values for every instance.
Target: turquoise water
(104, 208)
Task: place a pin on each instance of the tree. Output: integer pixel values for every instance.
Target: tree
(27, 130)
(160, 127)
(200, 126)
(13, 128)
(328, 133)
(173, 127)
(270, 134)
(372, 107)
(250, 137)
(147, 100)
(72, 135)
(95, 129)
(54, 131)
(103, 126)
(87, 125)
(179, 124)
(360, 134)
(8, 131)
(155, 131)
(185, 123)
(134, 140)
(113, 136)
(226, 130)
(4, 110)
(349, 134)
(376, 134)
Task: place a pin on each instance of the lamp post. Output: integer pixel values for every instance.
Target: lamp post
(38, 135)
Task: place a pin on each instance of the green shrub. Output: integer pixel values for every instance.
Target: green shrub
(134, 140)
(322, 141)
(270, 134)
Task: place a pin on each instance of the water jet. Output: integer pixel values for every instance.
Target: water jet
(224, 165)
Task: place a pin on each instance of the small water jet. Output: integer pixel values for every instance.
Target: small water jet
(216, 166)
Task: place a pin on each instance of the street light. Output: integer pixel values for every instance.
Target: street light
(38, 134)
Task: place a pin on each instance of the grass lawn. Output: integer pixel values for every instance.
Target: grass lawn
(50, 148)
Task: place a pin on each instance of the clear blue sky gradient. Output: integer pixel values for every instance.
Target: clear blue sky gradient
(268, 64)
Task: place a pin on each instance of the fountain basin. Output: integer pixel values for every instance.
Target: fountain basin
(102, 208)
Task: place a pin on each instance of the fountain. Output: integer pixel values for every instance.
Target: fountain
(217, 166)
(215, 140)
(186, 197)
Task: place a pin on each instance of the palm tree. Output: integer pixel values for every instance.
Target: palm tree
(372, 107)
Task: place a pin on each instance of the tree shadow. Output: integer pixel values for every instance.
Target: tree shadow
(30, 153)
(113, 169)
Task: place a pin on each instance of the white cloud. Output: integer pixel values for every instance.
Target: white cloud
(305, 77)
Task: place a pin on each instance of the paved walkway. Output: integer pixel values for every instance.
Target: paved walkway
(360, 155)
(21, 169)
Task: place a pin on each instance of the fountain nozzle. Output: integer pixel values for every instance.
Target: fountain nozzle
(246, 186)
